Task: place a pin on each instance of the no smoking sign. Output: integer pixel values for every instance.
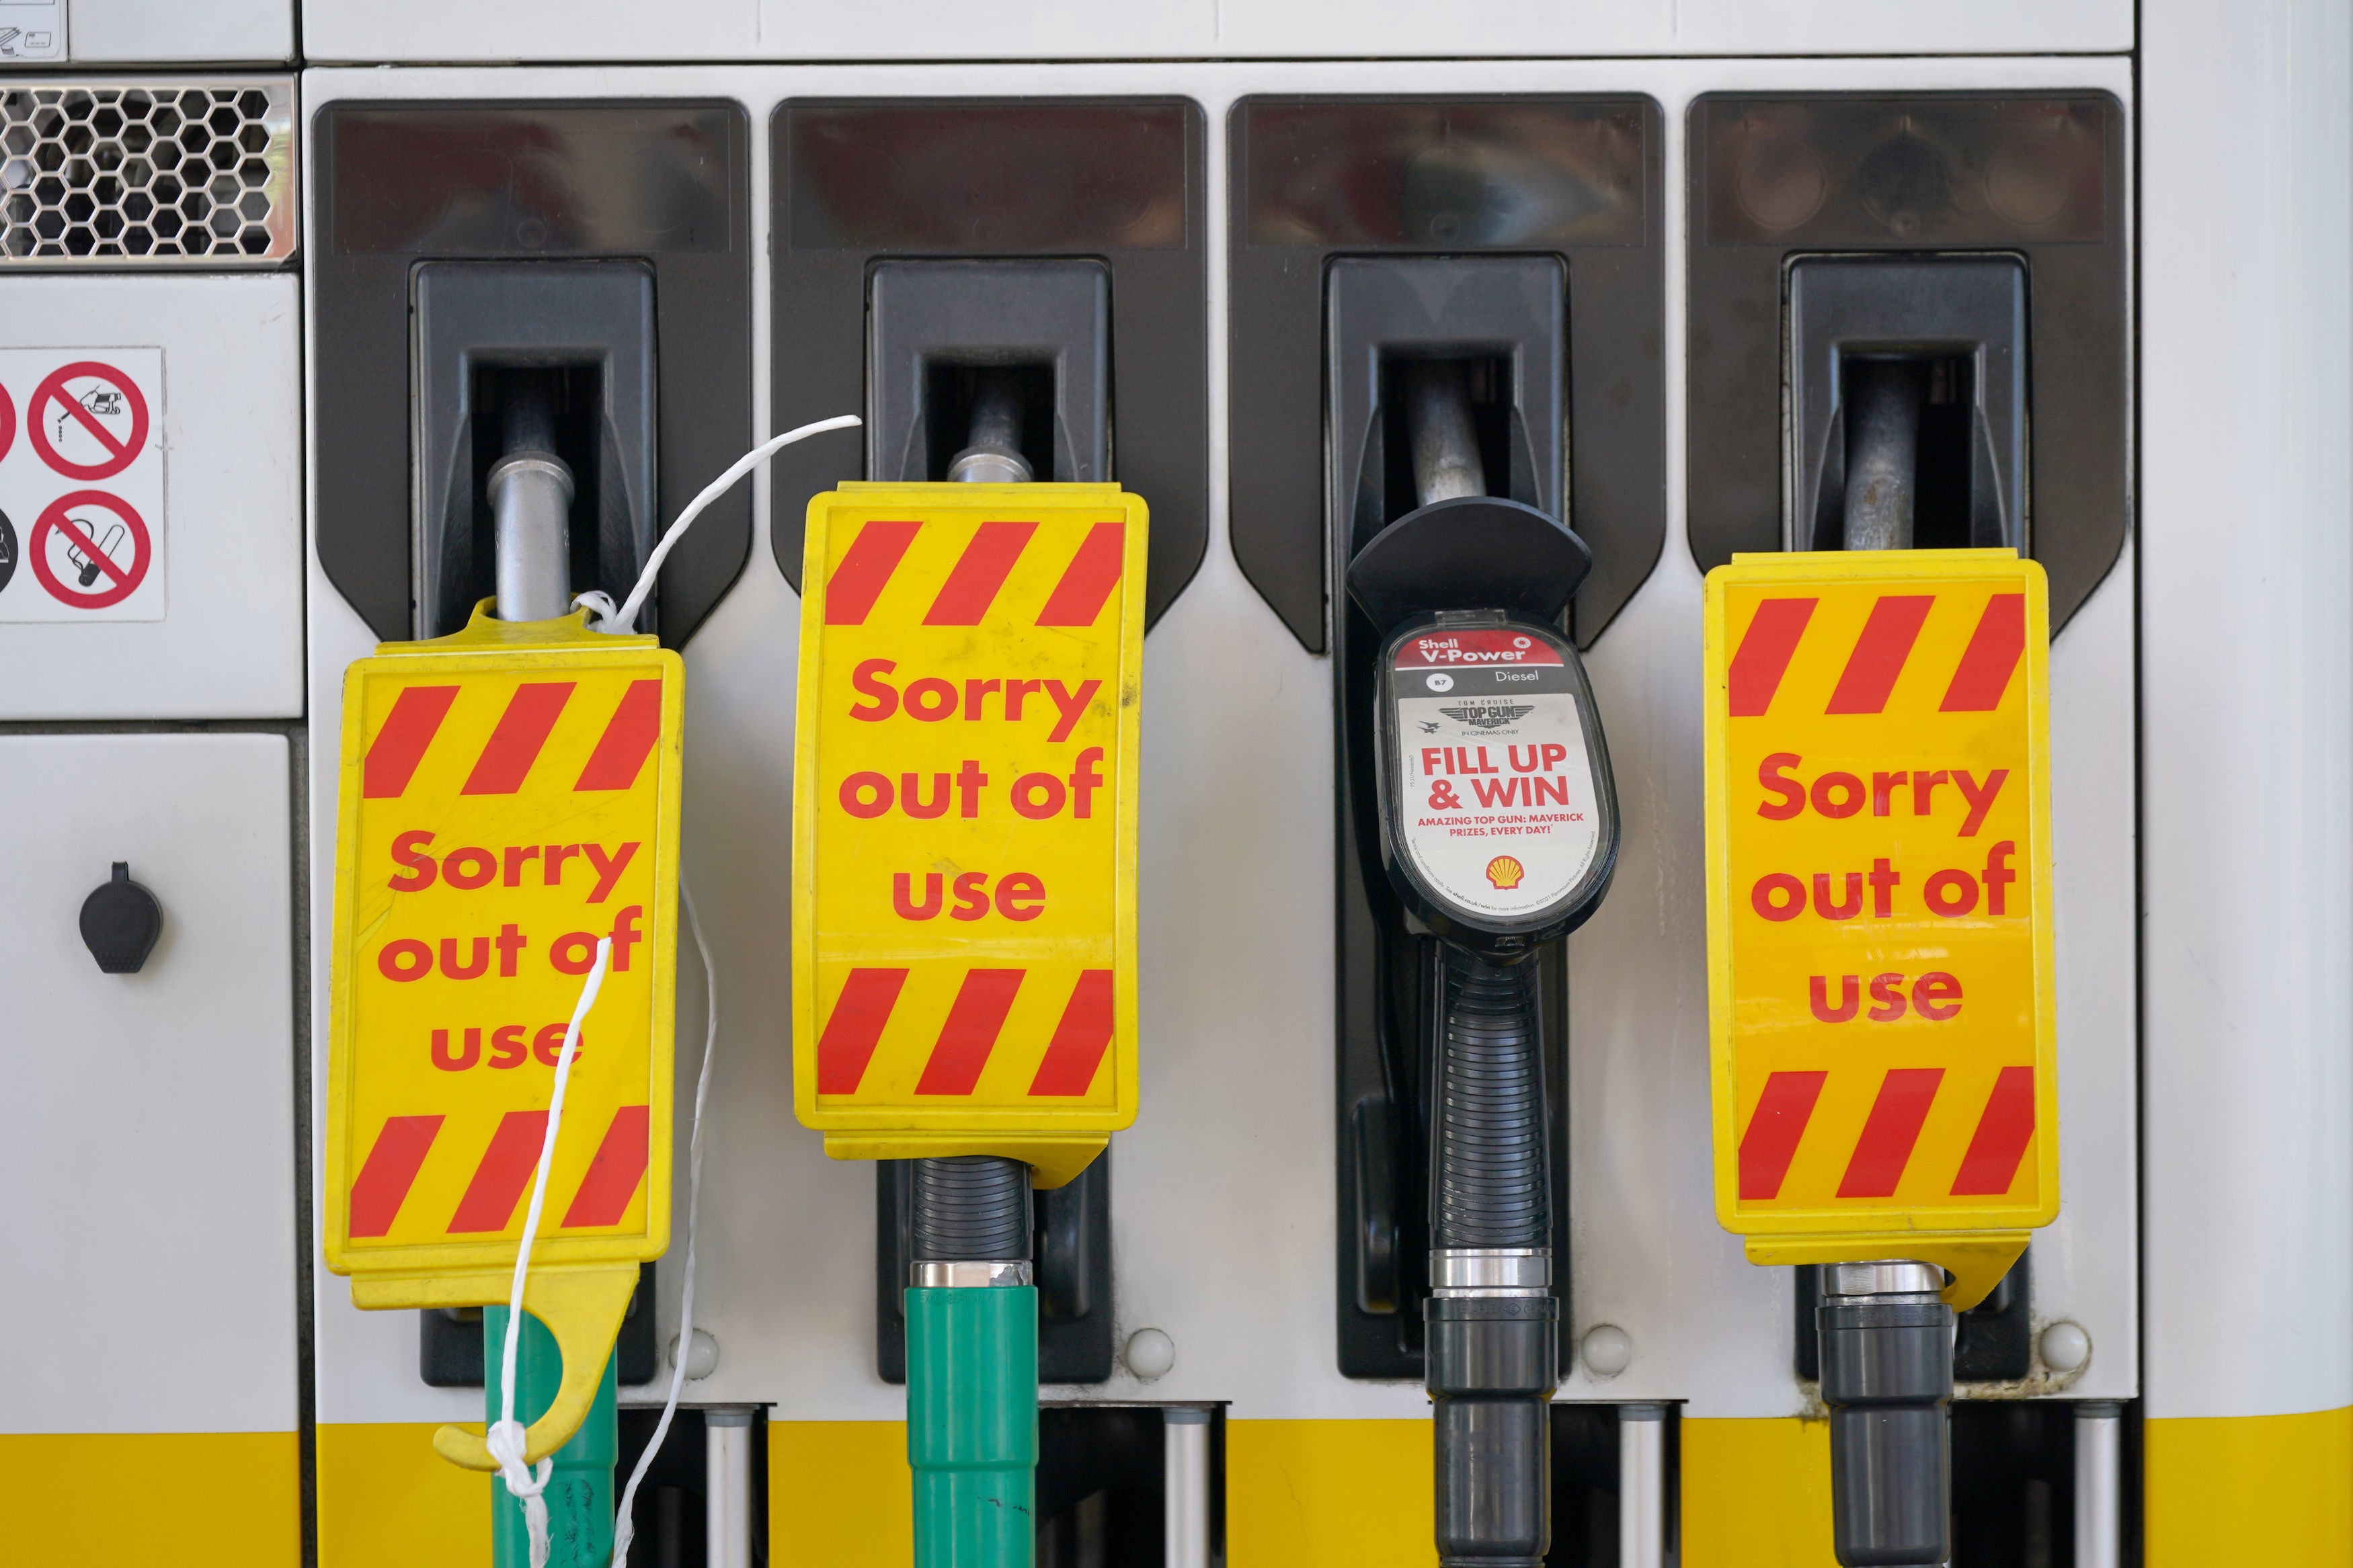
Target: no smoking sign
(81, 484)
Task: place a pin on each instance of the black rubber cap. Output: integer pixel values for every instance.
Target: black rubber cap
(1473, 552)
(120, 922)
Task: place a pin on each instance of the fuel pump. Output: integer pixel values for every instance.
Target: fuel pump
(1886, 1106)
(507, 872)
(1498, 832)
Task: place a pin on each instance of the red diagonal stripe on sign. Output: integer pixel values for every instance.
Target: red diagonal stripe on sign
(1080, 1039)
(1778, 1122)
(854, 1028)
(1089, 579)
(614, 1174)
(866, 567)
(389, 1172)
(2001, 1140)
(1880, 652)
(978, 573)
(505, 1171)
(1764, 654)
(1888, 1132)
(975, 1020)
(621, 750)
(392, 757)
(1992, 654)
(522, 730)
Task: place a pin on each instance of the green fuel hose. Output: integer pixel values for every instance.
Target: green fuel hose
(972, 1424)
(579, 1493)
(972, 1366)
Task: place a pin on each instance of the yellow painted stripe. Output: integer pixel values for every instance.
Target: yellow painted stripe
(387, 1501)
(840, 1492)
(1329, 1494)
(2251, 1490)
(1299, 1494)
(1757, 1493)
(193, 1500)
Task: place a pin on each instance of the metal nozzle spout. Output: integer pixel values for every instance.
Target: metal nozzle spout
(993, 455)
(530, 490)
(1446, 462)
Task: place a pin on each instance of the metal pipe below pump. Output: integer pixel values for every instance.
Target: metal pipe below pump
(2099, 1484)
(727, 1487)
(1185, 1490)
(1642, 1486)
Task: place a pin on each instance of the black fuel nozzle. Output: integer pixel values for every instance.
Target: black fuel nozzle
(1887, 1377)
(1499, 832)
(972, 1212)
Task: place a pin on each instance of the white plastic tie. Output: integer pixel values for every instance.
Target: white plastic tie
(505, 1437)
(623, 620)
(624, 1528)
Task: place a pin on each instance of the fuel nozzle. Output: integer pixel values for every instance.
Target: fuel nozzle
(971, 1299)
(529, 489)
(1887, 1377)
(1470, 587)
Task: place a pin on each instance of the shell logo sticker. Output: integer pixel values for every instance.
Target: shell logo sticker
(1506, 872)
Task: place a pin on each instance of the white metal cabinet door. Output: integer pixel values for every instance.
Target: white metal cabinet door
(147, 1236)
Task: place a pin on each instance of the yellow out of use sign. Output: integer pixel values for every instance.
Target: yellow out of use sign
(964, 934)
(1879, 910)
(510, 795)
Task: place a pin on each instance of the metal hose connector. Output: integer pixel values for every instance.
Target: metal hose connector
(1887, 1377)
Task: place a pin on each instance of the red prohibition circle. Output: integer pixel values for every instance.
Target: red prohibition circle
(7, 422)
(121, 583)
(54, 386)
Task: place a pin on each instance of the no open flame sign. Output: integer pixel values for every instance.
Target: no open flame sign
(1879, 926)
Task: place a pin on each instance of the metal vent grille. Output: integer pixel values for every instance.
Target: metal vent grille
(147, 173)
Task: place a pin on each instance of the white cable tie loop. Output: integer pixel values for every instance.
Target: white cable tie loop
(623, 620)
(505, 1436)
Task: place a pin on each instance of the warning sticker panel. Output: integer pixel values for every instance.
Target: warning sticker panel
(81, 484)
(1498, 809)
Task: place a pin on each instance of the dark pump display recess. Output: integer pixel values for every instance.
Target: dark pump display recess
(1498, 832)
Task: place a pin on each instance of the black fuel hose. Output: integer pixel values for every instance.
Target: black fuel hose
(1493, 1187)
(971, 1208)
(1493, 1323)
